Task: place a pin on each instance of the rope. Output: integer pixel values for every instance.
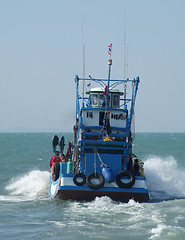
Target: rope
(95, 151)
(102, 163)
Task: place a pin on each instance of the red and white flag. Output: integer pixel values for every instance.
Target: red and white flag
(110, 49)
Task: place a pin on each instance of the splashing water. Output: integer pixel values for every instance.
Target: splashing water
(30, 185)
(165, 180)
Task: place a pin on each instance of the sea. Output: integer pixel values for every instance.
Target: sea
(27, 212)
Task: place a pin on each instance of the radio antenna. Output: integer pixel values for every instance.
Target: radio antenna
(83, 56)
(125, 64)
(125, 46)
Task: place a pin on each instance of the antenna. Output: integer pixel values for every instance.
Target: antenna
(125, 56)
(127, 52)
(83, 55)
(124, 45)
(83, 74)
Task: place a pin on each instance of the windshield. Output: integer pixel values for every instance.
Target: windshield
(94, 99)
(102, 98)
(115, 100)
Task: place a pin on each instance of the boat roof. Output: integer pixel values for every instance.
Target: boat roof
(101, 90)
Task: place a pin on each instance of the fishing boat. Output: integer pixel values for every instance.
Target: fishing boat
(100, 161)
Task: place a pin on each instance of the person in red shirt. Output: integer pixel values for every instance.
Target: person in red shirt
(53, 160)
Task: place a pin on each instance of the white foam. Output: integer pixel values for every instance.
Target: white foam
(164, 178)
(5, 198)
(29, 185)
(156, 232)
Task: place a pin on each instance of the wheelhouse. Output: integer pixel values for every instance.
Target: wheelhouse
(97, 97)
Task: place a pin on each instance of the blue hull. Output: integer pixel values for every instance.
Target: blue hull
(65, 189)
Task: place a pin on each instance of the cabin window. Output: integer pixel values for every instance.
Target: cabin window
(115, 100)
(102, 98)
(89, 115)
(94, 99)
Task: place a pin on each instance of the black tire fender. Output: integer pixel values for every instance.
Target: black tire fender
(56, 171)
(126, 173)
(98, 176)
(79, 175)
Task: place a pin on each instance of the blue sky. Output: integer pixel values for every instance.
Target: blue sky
(41, 52)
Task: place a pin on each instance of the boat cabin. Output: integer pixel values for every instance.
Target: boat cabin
(97, 98)
(94, 113)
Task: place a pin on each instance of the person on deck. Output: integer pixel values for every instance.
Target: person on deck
(64, 158)
(103, 104)
(53, 160)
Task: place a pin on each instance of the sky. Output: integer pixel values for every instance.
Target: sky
(41, 44)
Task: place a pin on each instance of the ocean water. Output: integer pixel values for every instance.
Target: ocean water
(27, 212)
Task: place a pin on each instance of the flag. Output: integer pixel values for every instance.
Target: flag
(109, 49)
(105, 91)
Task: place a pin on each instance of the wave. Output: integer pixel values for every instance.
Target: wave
(30, 186)
(165, 179)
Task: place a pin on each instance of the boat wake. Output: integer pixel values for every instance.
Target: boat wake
(31, 186)
(164, 179)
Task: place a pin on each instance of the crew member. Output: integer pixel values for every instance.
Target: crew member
(53, 160)
(64, 158)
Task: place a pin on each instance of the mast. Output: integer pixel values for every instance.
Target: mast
(110, 64)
